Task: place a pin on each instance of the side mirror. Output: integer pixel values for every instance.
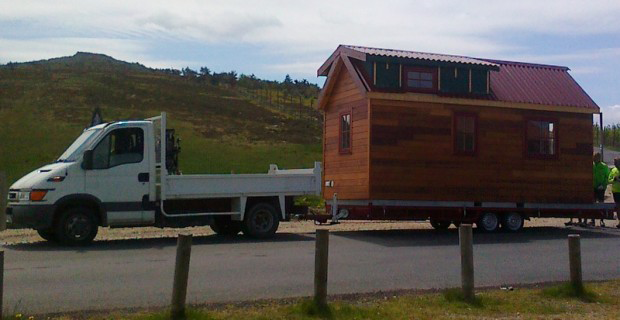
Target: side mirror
(87, 161)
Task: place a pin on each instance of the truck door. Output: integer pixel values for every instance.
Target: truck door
(120, 177)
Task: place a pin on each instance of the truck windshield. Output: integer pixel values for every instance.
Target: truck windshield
(76, 148)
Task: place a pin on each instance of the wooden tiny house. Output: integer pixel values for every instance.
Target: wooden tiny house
(411, 126)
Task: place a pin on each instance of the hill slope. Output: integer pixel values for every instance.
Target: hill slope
(45, 104)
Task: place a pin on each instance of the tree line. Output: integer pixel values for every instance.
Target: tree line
(611, 135)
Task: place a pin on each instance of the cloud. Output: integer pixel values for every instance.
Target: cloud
(611, 114)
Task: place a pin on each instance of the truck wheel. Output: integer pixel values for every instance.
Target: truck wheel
(223, 225)
(488, 222)
(47, 234)
(440, 225)
(261, 221)
(512, 222)
(76, 226)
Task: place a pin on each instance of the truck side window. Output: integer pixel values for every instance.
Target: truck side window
(120, 146)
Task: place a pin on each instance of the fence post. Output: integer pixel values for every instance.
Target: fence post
(1, 283)
(574, 257)
(467, 261)
(181, 274)
(3, 194)
(320, 267)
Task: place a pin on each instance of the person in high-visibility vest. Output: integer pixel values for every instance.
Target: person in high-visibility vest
(614, 179)
(601, 176)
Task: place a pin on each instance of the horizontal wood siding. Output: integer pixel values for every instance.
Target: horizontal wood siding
(348, 171)
(412, 156)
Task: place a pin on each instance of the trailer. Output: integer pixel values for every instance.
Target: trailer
(451, 139)
(126, 174)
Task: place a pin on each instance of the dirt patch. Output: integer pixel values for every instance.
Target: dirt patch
(15, 236)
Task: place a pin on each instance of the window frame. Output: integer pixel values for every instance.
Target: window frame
(431, 70)
(348, 150)
(556, 139)
(456, 151)
(109, 146)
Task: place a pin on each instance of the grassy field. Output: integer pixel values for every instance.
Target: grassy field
(45, 105)
(601, 301)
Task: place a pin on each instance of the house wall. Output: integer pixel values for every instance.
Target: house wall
(348, 171)
(411, 156)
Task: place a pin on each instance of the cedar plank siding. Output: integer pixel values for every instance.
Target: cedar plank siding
(412, 156)
(348, 171)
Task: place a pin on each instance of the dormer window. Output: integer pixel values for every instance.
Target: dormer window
(420, 79)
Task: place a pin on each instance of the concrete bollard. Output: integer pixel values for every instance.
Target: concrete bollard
(4, 190)
(181, 275)
(320, 267)
(467, 261)
(574, 258)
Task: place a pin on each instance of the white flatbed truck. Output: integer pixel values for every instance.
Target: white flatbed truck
(113, 175)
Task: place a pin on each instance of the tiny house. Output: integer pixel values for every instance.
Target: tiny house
(414, 135)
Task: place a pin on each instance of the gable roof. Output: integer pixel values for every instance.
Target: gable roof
(510, 82)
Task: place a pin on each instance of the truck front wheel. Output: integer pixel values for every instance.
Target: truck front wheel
(261, 221)
(47, 234)
(76, 226)
(223, 225)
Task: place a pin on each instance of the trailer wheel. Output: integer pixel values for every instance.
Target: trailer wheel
(47, 234)
(261, 221)
(512, 222)
(440, 225)
(488, 222)
(76, 226)
(223, 225)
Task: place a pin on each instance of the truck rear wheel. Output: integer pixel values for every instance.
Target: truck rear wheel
(225, 226)
(76, 226)
(47, 234)
(488, 222)
(512, 222)
(440, 225)
(261, 221)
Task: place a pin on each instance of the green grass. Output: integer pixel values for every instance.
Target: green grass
(547, 303)
(569, 291)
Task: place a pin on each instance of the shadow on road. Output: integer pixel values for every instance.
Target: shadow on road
(157, 243)
(418, 238)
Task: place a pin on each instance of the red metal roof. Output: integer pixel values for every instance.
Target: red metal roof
(538, 84)
(420, 55)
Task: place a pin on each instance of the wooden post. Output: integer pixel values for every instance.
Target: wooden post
(4, 190)
(181, 274)
(467, 261)
(320, 267)
(574, 257)
(1, 282)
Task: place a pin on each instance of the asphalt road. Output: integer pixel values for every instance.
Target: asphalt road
(608, 155)
(40, 277)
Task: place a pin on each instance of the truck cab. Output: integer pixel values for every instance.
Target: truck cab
(112, 175)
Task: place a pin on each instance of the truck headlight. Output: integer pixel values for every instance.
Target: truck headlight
(23, 195)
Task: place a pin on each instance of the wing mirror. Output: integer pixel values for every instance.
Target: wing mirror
(87, 161)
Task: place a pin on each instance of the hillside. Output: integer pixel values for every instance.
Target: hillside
(45, 104)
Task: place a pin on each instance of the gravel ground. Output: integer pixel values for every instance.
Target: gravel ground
(14, 236)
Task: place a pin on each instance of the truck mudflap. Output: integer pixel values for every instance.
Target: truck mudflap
(456, 210)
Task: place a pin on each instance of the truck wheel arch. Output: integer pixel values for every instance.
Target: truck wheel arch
(272, 200)
(84, 200)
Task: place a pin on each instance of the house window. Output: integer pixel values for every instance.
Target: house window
(541, 138)
(465, 129)
(420, 79)
(345, 133)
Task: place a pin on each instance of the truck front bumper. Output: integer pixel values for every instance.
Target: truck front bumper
(30, 216)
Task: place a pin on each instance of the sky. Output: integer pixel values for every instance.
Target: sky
(273, 38)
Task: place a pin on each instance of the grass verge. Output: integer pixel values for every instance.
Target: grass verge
(598, 301)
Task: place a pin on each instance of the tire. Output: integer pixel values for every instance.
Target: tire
(48, 234)
(261, 221)
(488, 222)
(440, 225)
(76, 227)
(223, 225)
(512, 222)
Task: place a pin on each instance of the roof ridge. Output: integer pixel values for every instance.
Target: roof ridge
(526, 64)
(411, 51)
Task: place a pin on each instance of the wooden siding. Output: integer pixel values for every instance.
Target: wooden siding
(412, 156)
(348, 171)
